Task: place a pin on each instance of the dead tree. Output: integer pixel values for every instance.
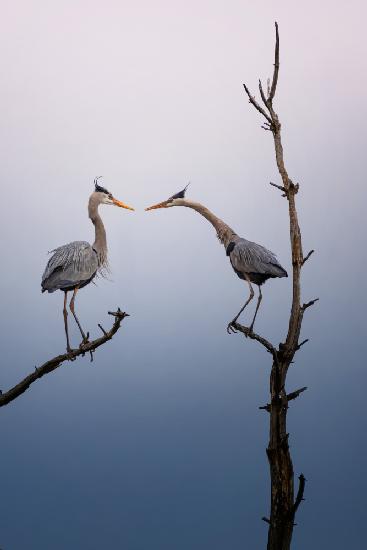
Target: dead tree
(55, 362)
(284, 505)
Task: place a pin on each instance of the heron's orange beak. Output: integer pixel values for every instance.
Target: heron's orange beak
(159, 205)
(122, 204)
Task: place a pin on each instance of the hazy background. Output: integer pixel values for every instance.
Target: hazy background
(159, 444)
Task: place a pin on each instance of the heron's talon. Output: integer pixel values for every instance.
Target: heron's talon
(230, 328)
(84, 342)
(70, 354)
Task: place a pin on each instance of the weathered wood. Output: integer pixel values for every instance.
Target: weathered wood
(55, 362)
(283, 505)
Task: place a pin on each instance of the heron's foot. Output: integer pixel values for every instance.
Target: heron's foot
(85, 341)
(247, 331)
(85, 337)
(69, 353)
(230, 328)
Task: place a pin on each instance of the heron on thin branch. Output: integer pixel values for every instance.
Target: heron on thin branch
(74, 265)
(251, 262)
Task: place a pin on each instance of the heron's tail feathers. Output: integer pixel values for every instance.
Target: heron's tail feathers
(278, 270)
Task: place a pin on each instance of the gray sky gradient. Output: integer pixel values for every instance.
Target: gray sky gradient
(160, 444)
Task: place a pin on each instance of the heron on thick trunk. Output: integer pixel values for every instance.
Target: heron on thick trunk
(74, 265)
(251, 261)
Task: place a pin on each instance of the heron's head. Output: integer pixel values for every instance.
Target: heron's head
(102, 196)
(176, 200)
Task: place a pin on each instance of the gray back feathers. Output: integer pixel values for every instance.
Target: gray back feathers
(252, 258)
(247, 258)
(70, 265)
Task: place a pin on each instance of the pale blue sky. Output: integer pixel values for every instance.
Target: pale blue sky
(160, 444)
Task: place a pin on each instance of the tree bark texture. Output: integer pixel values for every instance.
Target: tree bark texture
(283, 504)
(55, 362)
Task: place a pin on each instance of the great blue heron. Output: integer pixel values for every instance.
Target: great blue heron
(74, 265)
(251, 261)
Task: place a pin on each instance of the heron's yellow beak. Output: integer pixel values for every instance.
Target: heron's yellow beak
(159, 205)
(122, 204)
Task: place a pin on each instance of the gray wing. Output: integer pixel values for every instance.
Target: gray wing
(72, 264)
(249, 257)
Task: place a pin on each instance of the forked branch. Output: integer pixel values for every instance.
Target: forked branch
(256, 104)
(263, 341)
(283, 506)
(55, 362)
(289, 397)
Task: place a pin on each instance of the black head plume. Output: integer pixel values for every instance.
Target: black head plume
(98, 188)
(180, 194)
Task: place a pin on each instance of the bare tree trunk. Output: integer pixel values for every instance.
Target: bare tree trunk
(283, 505)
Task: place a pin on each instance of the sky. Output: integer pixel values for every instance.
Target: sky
(160, 443)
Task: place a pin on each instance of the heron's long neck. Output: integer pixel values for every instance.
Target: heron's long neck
(224, 233)
(100, 241)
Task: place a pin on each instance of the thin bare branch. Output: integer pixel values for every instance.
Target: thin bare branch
(256, 105)
(289, 397)
(250, 334)
(296, 393)
(280, 187)
(300, 493)
(276, 65)
(262, 93)
(306, 257)
(55, 362)
(309, 304)
(102, 329)
(302, 343)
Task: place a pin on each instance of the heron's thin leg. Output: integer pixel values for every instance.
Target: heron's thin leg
(257, 307)
(65, 311)
(230, 327)
(85, 339)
